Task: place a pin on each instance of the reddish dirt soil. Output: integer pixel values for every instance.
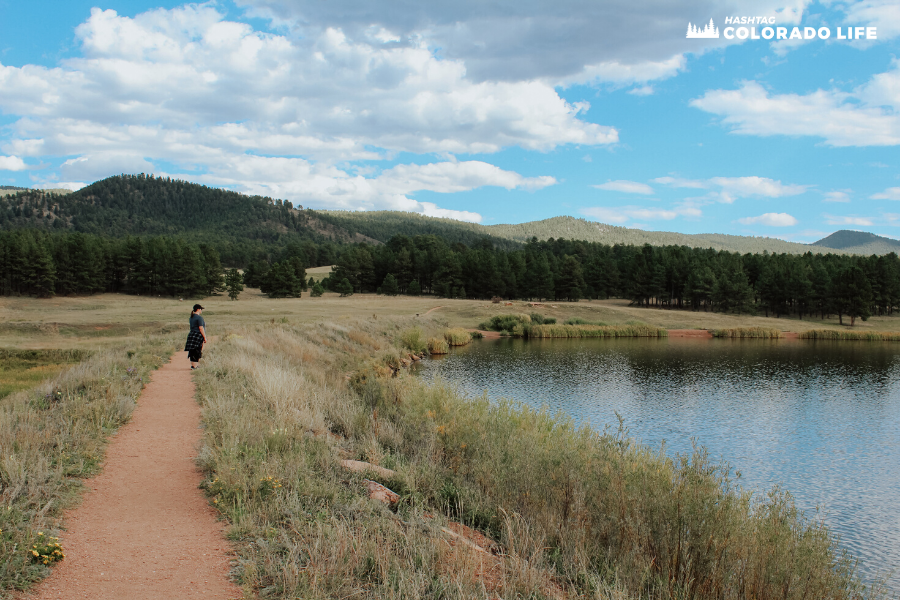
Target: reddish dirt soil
(488, 335)
(145, 530)
(692, 333)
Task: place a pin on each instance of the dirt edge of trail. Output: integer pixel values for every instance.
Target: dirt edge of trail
(144, 530)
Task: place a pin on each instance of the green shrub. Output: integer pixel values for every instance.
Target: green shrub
(438, 345)
(505, 322)
(457, 336)
(413, 340)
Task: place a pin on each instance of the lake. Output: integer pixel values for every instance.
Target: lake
(820, 419)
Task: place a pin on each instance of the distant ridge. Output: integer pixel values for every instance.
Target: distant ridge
(581, 229)
(859, 242)
(141, 205)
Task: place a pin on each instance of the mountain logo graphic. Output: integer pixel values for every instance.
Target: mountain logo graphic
(710, 31)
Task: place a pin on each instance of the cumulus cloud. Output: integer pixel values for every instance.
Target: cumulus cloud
(770, 219)
(310, 183)
(12, 163)
(867, 116)
(728, 189)
(622, 214)
(230, 105)
(856, 221)
(888, 194)
(623, 185)
(837, 196)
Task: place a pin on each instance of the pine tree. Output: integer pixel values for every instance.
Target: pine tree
(389, 286)
(234, 283)
(344, 288)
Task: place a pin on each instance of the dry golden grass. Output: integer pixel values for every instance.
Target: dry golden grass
(112, 319)
(575, 513)
(295, 385)
(53, 435)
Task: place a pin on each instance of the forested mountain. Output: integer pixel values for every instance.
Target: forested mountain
(239, 227)
(382, 225)
(859, 242)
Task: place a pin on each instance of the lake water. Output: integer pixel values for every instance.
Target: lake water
(821, 419)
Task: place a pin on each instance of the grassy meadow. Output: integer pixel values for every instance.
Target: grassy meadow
(291, 387)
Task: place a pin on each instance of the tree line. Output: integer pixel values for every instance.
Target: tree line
(42, 263)
(677, 277)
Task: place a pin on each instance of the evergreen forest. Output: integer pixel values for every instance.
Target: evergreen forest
(43, 262)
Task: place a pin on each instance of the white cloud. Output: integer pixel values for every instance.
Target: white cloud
(681, 183)
(623, 185)
(883, 14)
(644, 90)
(888, 194)
(856, 221)
(309, 183)
(837, 196)
(770, 219)
(614, 40)
(233, 106)
(12, 163)
(622, 214)
(869, 116)
(731, 188)
(61, 185)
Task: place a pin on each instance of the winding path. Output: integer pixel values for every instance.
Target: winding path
(144, 529)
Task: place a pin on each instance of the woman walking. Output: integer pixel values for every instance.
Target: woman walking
(196, 337)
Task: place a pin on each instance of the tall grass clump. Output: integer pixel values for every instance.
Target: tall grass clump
(575, 512)
(834, 334)
(438, 345)
(539, 319)
(413, 340)
(54, 435)
(594, 331)
(457, 336)
(764, 333)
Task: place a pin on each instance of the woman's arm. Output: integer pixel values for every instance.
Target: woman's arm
(203, 331)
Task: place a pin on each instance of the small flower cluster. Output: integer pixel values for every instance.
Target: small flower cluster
(47, 550)
(268, 485)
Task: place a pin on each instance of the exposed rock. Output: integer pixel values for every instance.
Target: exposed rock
(381, 493)
(358, 466)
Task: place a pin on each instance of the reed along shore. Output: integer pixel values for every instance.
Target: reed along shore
(557, 510)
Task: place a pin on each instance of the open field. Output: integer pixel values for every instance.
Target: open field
(24, 369)
(106, 320)
(293, 386)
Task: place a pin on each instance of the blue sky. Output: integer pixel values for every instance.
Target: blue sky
(494, 113)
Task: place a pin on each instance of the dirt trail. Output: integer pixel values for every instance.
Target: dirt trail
(144, 530)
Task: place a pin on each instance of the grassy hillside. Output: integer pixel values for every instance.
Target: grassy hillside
(581, 229)
(382, 225)
(859, 242)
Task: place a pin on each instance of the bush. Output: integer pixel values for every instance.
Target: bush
(412, 340)
(457, 336)
(505, 322)
(317, 290)
(539, 319)
(438, 345)
(344, 288)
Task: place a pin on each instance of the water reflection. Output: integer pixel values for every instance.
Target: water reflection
(822, 419)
